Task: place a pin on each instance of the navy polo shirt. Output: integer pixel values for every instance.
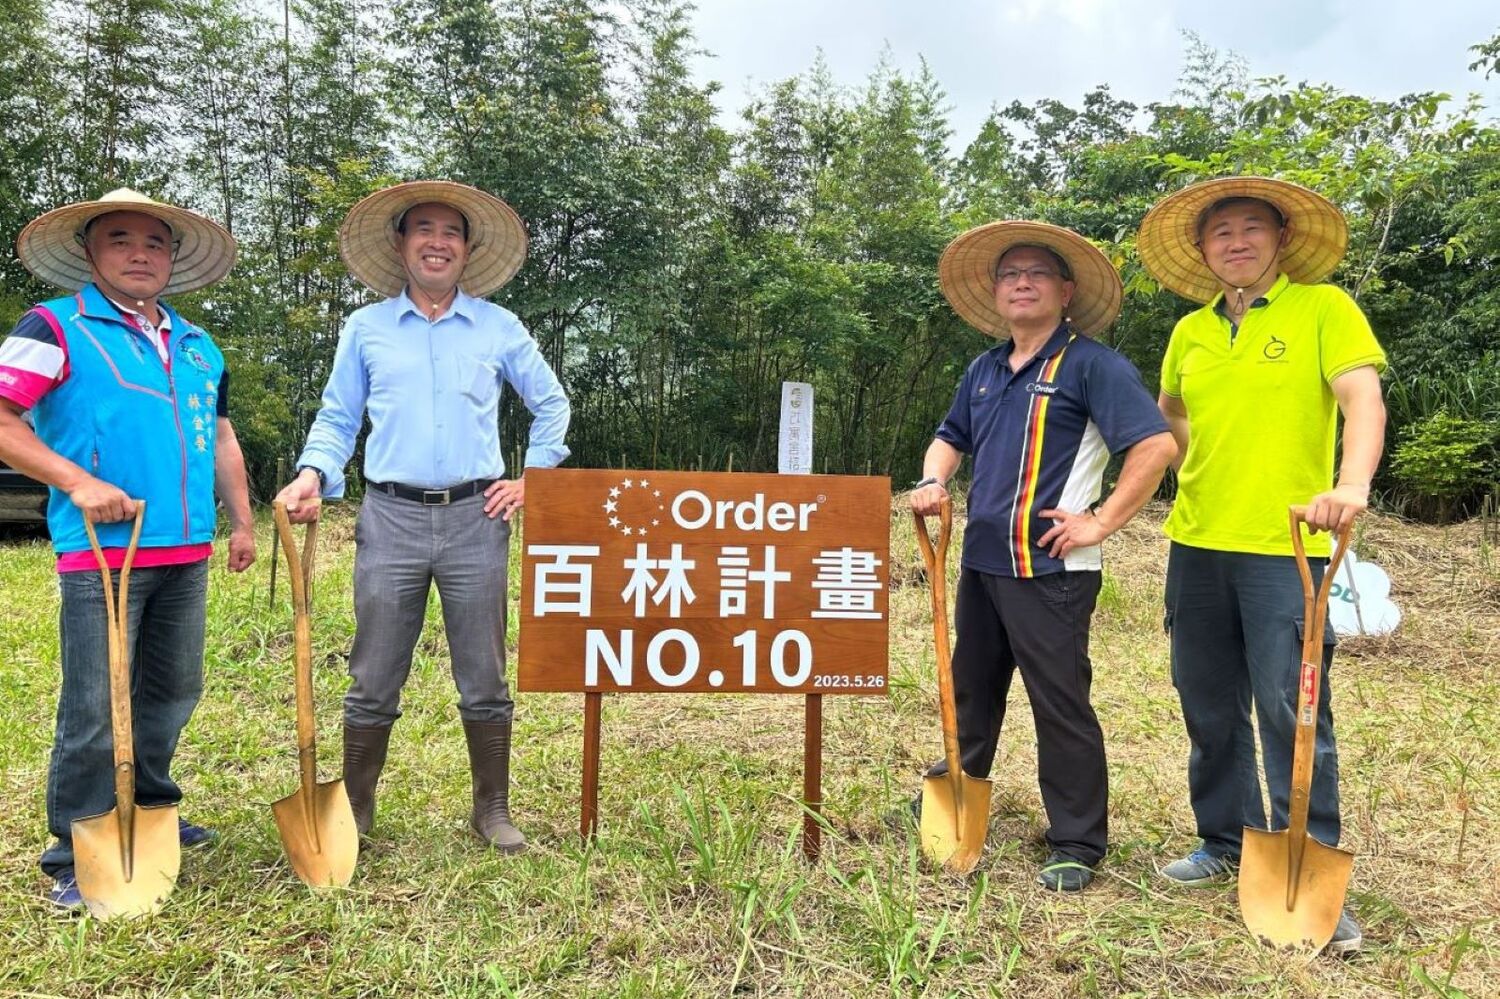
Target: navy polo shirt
(1041, 438)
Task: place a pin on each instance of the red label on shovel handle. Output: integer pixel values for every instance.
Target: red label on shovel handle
(1309, 693)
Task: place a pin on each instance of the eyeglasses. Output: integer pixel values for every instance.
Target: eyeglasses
(1011, 275)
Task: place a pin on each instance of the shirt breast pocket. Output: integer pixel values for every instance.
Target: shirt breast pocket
(478, 379)
(982, 402)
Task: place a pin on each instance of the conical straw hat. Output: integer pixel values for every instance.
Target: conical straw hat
(1168, 242)
(51, 246)
(369, 242)
(966, 274)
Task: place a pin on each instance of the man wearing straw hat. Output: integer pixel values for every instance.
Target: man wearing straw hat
(1041, 414)
(129, 402)
(1252, 385)
(427, 364)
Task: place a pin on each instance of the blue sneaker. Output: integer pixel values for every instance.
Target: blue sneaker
(65, 896)
(1347, 937)
(190, 835)
(1199, 868)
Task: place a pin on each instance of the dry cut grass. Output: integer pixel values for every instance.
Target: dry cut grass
(695, 885)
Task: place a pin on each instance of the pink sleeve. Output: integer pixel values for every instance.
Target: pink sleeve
(33, 358)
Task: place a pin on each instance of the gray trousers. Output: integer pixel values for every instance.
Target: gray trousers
(401, 548)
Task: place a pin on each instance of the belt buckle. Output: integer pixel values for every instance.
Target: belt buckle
(436, 497)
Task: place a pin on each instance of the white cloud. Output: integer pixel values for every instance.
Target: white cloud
(1085, 14)
(987, 53)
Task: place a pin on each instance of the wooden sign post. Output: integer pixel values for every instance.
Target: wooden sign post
(704, 582)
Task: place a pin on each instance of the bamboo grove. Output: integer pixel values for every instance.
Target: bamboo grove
(687, 258)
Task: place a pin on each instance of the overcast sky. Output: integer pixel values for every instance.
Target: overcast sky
(986, 53)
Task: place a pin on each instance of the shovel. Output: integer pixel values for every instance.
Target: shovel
(315, 822)
(955, 807)
(126, 859)
(1291, 886)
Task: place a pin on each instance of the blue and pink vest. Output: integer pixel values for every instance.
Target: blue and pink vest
(132, 421)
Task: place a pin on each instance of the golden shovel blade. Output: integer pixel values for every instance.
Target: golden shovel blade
(320, 841)
(120, 880)
(1318, 894)
(947, 842)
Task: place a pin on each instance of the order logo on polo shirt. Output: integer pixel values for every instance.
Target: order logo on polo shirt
(1045, 388)
(1274, 349)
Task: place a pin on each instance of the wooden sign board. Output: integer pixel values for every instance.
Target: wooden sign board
(640, 581)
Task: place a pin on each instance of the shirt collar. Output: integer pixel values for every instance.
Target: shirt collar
(463, 305)
(141, 318)
(1272, 294)
(96, 305)
(1057, 341)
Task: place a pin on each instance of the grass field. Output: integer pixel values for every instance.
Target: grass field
(695, 885)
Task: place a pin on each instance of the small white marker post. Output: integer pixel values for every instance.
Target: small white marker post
(794, 454)
(794, 457)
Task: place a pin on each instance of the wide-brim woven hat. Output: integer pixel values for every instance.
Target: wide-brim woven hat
(1317, 234)
(370, 244)
(51, 245)
(966, 273)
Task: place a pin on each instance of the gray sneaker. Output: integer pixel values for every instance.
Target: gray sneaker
(1199, 868)
(1063, 873)
(1347, 938)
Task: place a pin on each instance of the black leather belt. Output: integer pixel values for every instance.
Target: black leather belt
(432, 497)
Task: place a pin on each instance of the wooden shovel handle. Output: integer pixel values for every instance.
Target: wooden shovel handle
(1314, 619)
(936, 560)
(1316, 604)
(299, 571)
(117, 613)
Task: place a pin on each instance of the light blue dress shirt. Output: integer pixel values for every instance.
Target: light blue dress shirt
(432, 390)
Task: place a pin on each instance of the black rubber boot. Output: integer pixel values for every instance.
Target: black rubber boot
(364, 757)
(489, 762)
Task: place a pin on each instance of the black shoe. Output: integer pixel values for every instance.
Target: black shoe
(364, 757)
(903, 817)
(1063, 873)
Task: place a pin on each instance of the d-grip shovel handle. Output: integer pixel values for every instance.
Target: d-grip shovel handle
(937, 576)
(1314, 615)
(1314, 619)
(936, 562)
(299, 571)
(117, 617)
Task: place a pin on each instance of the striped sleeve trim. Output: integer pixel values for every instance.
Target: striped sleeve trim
(33, 359)
(1376, 361)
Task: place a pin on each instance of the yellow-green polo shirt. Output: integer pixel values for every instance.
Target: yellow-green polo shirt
(1262, 417)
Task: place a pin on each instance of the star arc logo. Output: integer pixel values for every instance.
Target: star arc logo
(634, 507)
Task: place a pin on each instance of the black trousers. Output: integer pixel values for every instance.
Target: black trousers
(1041, 626)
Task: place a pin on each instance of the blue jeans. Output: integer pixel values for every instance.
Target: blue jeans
(1235, 622)
(165, 623)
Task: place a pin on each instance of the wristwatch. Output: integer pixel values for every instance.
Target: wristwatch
(322, 479)
(931, 480)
